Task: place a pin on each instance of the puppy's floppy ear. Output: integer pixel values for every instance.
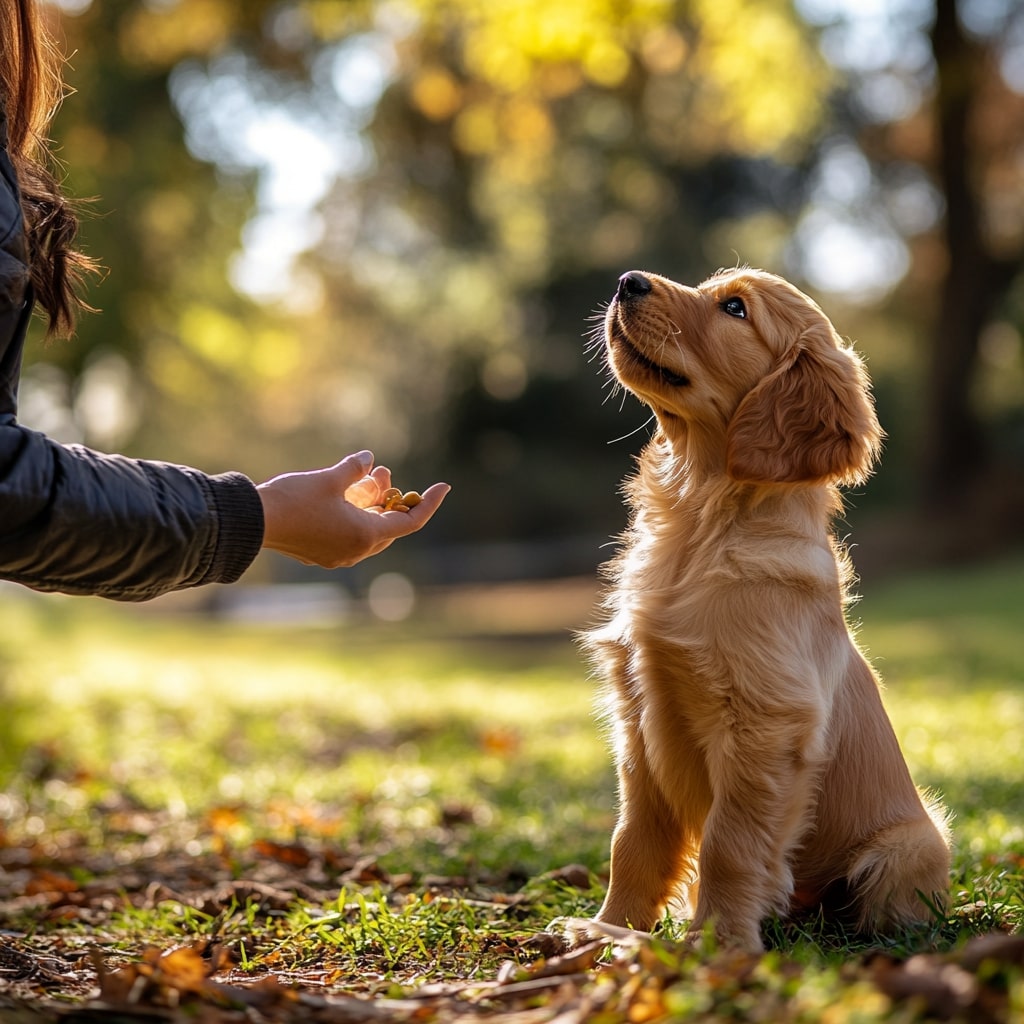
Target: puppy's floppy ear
(810, 420)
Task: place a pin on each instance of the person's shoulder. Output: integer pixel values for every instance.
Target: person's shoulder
(12, 225)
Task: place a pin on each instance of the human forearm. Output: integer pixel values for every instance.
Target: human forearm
(80, 522)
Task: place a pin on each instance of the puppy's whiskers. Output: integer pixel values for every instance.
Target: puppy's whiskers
(636, 430)
(671, 331)
(594, 344)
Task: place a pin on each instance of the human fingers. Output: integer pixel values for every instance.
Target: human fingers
(369, 491)
(430, 503)
(351, 469)
(381, 477)
(358, 483)
(364, 494)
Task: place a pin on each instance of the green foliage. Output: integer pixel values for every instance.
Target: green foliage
(514, 162)
(491, 169)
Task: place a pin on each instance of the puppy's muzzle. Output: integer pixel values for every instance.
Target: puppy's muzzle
(632, 287)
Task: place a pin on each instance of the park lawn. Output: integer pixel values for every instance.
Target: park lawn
(381, 820)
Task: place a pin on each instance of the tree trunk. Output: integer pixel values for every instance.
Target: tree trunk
(955, 452)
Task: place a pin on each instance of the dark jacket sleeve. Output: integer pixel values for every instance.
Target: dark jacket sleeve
(76, 521)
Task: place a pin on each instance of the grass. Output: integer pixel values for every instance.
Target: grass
(382, 810)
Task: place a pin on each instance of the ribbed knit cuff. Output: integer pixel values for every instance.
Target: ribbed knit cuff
(240, 533)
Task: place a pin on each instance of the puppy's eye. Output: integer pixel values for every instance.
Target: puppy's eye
(735, 307)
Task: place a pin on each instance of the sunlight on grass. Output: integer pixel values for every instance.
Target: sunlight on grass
(437, 752)
(948, 646)
(369, 809)
(374, 738)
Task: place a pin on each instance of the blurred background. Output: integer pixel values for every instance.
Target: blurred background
(341, 224)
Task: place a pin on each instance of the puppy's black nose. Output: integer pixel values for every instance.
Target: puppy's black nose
(632, 285)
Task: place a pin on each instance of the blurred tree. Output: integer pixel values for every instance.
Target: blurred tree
(497, 166)
(524, 157)
(154, 227)
(979, 125)
(933, 97)
(419, 204)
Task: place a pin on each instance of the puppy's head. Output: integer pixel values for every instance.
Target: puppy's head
(750, 365)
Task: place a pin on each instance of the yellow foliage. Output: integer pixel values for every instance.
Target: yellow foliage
(764, 85)
(332, 20)
(506, 41)
(528, 124)
(707, 88)
(606, 63)
(754, 91)
(179, 377)
(260, 359)
(218, 338)
(476, 128)
(490, 125)
(523, 229)
(162, 35)
(274, 354)
(663, 49)
(167, 214)
(557, 80)
(436, 93)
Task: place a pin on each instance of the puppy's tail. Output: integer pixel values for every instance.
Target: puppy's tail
(902, 871)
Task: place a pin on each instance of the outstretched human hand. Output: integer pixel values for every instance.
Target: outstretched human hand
(327, 517)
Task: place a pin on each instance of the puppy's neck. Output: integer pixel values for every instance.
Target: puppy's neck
(688, 484)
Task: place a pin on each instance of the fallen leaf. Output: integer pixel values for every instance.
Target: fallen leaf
(294, 854)
(997, 947)
(943, 988)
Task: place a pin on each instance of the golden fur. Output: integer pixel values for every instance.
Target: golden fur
(758, 771)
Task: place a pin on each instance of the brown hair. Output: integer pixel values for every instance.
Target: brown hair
(31, 90)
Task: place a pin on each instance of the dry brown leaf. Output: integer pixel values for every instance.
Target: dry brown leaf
(942, 988)
(997, 947)
(49, 882)
(576, 875)
(293, 854)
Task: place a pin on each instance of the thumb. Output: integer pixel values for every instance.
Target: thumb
(353, 467)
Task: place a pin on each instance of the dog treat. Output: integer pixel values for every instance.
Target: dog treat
(393, 500)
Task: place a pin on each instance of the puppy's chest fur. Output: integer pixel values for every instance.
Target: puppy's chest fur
(699, 589)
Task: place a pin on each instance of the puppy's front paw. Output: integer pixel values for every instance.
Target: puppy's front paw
(572, 932)
(736, 940)
(578, 931)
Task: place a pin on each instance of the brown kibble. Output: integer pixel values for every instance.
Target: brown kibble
(393, 500)
(390, 497)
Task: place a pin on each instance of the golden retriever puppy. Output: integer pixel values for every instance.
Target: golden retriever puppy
(758, 771)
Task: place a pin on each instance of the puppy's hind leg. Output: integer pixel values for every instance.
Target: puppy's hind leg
(900, 870)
